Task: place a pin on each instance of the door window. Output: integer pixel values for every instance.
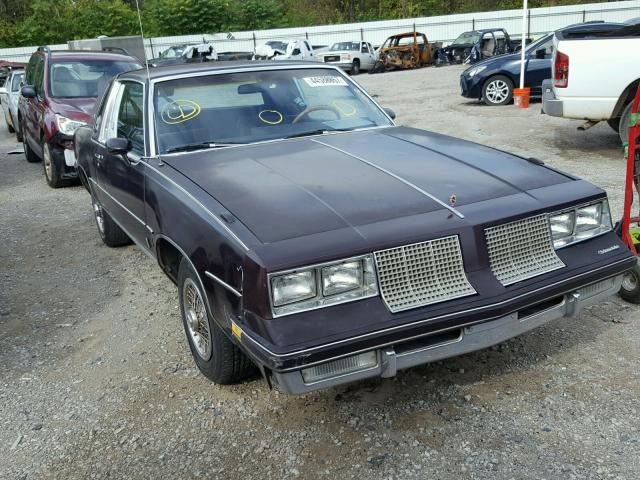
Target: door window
(130, 116)
(365, 48)
(38, 81)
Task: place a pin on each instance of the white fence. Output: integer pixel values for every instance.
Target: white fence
(440, 28)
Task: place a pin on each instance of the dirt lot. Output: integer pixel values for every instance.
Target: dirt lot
(98, 382)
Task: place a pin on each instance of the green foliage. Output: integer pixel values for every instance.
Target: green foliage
(39, 22)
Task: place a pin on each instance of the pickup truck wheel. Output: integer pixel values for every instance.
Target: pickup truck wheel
(625, 118)
(498, 90)
(355, 67)
(29, 154)
(110, 233)
(51, 168)
(630, 289)
(215, 355)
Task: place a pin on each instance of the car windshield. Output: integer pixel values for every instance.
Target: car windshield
(355, 46)
(277, 45)
(247, 107)
(467, 38)
(173, 52)
(84, 78)
(15, 81)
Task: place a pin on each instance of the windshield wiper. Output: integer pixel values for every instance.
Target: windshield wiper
(200, 146)
(319, 131)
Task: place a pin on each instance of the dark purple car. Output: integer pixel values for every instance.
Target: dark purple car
(59, 94)
(311, 237)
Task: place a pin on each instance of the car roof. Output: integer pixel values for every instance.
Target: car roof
(591, 26)
(86, 54)
(140, 75)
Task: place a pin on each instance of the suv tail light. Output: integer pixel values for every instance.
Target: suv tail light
(561, 70)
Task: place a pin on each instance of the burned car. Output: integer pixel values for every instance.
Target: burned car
(405, 51)
(310, 236)
(471, 47)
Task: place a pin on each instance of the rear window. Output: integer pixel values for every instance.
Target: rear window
(84, 78)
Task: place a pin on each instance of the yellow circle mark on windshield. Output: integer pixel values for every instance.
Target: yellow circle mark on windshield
(347, 109)
(277, 118)
(179, 111)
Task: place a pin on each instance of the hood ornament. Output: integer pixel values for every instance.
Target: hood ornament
(453, 200)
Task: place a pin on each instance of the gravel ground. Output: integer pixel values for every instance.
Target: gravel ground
(98, 382)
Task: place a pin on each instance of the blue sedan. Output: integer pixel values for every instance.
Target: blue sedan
(492, 80)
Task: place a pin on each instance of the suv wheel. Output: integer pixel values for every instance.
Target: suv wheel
(52, 167)
(217, 357)
(29, 154)
(497, 90)
(110, 232)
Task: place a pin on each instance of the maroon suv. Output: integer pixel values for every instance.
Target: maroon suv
(60, 92)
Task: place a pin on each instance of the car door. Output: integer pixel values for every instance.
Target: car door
(120, 177)
(34, 106)
(538, 66)
(366, 55)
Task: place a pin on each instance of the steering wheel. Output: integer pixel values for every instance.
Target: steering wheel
(308, 110)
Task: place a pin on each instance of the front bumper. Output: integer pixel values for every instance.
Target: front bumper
(550, 104)
(471, 87)
(406, 354)
(345, 65)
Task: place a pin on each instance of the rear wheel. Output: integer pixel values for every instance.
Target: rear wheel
(217, 357)
(52, 167)
(29, 154)
(625, 119)
(630, 289)
(497, 90)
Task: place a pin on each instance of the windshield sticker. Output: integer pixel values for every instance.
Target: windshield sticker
(270, 117)
(325, 81)
(179, 111)
(346, 108)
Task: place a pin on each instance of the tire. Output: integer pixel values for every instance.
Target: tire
(216, 356)
(630, 289)
(355, 67)
(497, 90)
(11, 127)
(625, 118)
(29, 154)
(52, 168)
(614, 123)
(19, 136)
(110, 232)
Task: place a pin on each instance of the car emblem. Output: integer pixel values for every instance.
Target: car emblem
(453, 200)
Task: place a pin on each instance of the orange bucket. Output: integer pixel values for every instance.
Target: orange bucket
(521, 97)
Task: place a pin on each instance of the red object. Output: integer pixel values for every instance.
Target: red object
(521, 97)
(631, 186)
(561, 70)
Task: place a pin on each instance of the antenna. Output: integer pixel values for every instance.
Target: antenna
(146, 64)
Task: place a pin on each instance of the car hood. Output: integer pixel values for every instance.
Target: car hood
(495, 62)
(300, 187)
(80, 109)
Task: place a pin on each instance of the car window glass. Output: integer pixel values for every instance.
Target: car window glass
(100, 111)
(365, 49)
(110, 118)
(15, 81)
(38, 80)
(84, 78)
(31, 70)
(130, 116)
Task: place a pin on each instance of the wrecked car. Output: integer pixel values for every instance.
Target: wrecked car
(471, 47)
(293, 50)
(405, 51)
(203, 52)
(310, 236)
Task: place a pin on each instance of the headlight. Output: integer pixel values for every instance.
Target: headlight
(475, 71)
(580, 223)
(345, 56)
(323, 285)
(68, 126)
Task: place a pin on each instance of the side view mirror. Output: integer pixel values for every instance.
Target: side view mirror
(390, 112)
(541, 53)
(118, 146)
(28, 91)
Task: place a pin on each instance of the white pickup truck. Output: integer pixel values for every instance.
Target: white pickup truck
(350, 56)
(595, 79)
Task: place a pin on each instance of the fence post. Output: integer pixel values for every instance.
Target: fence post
(584, 16)
(153, 55)
(306, 35)
(361, 35)
(414, 26)
(524, 40)
(473, 24)
(253, 34)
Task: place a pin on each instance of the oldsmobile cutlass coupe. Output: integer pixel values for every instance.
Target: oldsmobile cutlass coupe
(311, 237)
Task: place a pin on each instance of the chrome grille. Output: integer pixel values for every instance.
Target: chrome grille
(421, 274)
(521, 250)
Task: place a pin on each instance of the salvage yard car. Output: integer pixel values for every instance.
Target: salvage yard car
(405, 51)
(9, 95)
(471, 47)
(312, 237)
(59, 94)
(352, 57)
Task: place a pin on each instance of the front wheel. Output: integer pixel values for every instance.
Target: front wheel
(630, 289)
(497, 90)
(110, 232)
(215, 355)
